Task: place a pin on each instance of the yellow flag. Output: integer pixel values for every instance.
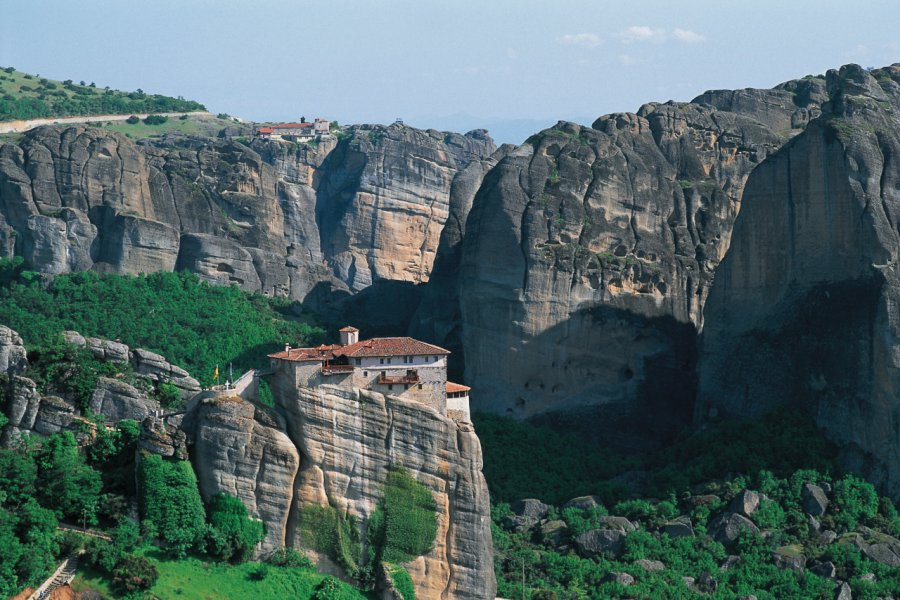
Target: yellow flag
(216, 373)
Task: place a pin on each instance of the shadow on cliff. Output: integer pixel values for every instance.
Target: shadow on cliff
(383, 309)
(633, 378)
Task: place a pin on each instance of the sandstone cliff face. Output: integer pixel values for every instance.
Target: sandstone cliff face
(273, 218)
(804, 309)
(332, 446)
(588, 253)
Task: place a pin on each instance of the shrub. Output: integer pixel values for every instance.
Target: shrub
(329, 532)
(233, 535)
(155, 119)
(403, 582)
(135, 573)
(854, 500)
(258, 572)
(168, 394)
(10, 69)
(133, 120)
(410, 522)
(288, 557)
(171, 504)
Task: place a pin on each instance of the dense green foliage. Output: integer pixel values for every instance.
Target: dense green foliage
(703, 473)
(328, 531)
(195, 579)
(233, 535)
(23, 96)
(65, 482)
(402, 582)
(410, 522)
(171, 507)
(193, 324)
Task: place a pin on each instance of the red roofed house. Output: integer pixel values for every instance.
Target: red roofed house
(295, 132)
(394, 366)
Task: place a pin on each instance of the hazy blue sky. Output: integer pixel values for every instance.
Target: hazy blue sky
(441, 63)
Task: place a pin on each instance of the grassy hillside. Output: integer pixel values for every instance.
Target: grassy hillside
(25, 96)
(201, 125)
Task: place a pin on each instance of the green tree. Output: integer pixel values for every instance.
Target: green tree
(854, 500)
(171, 504)
(233, 535)
(65, 483)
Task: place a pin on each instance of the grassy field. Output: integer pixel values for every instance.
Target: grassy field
(26, 96)
(202, 125)
(193, 579)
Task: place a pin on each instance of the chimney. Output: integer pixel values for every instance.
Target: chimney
(349, 335)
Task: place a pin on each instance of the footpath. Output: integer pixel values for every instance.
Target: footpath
(21, 126)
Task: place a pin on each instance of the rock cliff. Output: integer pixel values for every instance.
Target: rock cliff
(804, 309)
(588, 255)
(277, 218)
(333, 447)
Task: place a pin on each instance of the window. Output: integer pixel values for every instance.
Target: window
(390, 387)
(383, 373)
(382, 360)
(358, 361)
(420, 386)
(389, 360)
(365, 373)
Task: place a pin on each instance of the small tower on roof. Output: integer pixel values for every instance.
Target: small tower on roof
(349, 335)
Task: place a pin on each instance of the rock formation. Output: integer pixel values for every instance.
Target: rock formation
(276, 218)
(588, 255)
(804, 308)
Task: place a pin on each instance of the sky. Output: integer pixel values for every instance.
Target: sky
(514, 66)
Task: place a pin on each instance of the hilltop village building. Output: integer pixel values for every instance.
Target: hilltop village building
(394, 366)
(295, 132)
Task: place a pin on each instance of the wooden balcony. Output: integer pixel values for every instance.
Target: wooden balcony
(411, 377)
(336, 369)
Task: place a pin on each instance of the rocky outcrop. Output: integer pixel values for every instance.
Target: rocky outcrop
(332, 446)
(234, 453)
(113, 398)
(275, 218)
(117, 400)
(588, 255)
(804, 308)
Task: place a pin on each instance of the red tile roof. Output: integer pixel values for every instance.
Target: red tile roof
(348, 329)
(265, 130)
(456, 387)
(292, 125)
(390, 346)
(319, 353)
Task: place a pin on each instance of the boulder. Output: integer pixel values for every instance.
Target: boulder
(886, 554)
(825, 569)
(730, 561)
(518, 524)
(814, 525)
(554, 533)
(117, 400)
(680, 527)
(107, 349)
(789, 557)
(815, 502)
(583, 502)
(618, 577)
(870, 577)
(13, 358)
(620, 523)
(843, 592)
(827, 537)
(726, 528)
(745, 503)
(651, 566)
(54, 415)
(606, 542)
(531, 508)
